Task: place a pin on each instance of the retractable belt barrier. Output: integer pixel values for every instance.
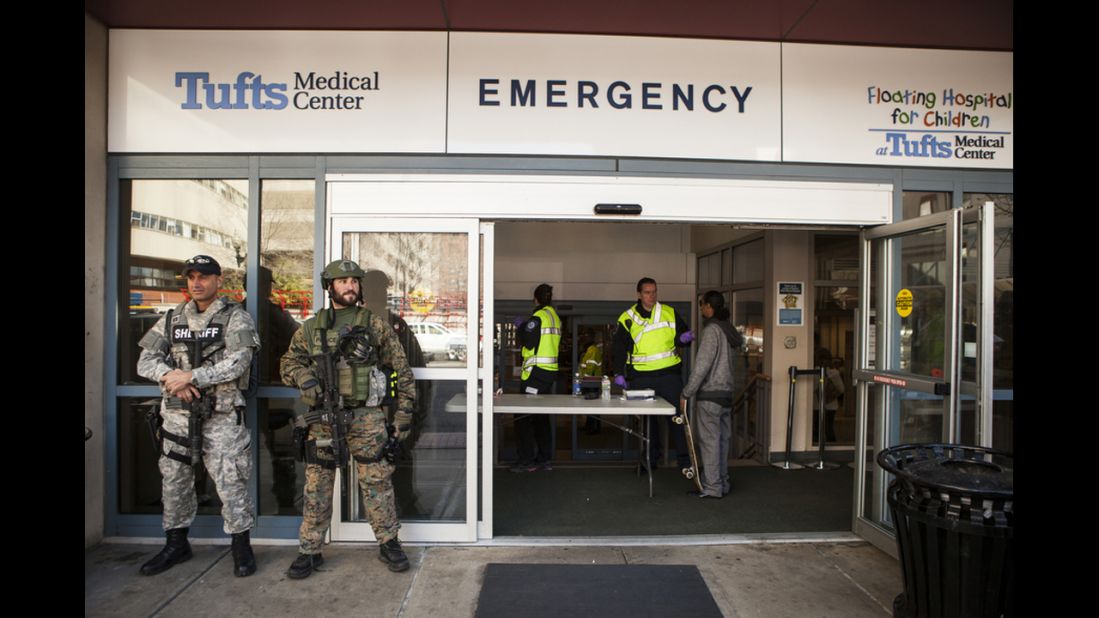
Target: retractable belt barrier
(794, 372)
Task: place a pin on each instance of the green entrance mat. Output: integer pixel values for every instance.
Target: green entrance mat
(553, 590)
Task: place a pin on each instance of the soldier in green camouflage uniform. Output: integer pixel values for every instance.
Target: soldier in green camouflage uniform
(226, 339)
(366, 436)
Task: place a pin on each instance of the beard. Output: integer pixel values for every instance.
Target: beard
(349, 298)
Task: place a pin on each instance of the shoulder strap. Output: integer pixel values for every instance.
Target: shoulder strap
(323, 322)
(168, 330)
(362, 318)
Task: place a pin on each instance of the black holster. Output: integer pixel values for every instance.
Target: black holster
(153, 423)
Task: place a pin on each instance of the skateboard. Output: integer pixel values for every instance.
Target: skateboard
(691, 472)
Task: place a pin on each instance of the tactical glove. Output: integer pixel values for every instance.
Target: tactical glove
(403, 422)
(311, 392)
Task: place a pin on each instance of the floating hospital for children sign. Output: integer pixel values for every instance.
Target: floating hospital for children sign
(898, 106)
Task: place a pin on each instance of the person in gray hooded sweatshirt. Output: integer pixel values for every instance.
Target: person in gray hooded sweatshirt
(711, 384)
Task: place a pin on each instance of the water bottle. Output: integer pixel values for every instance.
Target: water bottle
(576, 384)
(606, 394)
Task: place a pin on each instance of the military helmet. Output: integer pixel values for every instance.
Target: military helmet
(340, 269)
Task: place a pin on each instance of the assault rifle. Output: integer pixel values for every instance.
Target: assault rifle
(331, 413)
(198, 412)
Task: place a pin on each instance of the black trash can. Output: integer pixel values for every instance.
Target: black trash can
(952, 507)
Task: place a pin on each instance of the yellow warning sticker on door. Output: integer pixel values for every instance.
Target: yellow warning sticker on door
(904, 303)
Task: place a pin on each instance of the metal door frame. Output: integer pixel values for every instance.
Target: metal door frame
(950, 386)
(464, 531)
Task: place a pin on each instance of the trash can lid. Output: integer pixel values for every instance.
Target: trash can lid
(973, 470)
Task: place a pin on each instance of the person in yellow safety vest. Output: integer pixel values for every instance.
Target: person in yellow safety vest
(645, 356)
(540, 338)
(591, 364)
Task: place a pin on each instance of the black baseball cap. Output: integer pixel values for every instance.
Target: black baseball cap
(203, 264)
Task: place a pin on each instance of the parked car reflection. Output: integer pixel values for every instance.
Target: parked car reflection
(439, 342)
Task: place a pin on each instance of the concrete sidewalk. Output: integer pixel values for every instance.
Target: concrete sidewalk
(845, 580)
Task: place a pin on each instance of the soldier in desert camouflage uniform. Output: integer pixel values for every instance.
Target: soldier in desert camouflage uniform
(367, 434)
(226, 338)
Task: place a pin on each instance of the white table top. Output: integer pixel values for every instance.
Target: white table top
(515, 403)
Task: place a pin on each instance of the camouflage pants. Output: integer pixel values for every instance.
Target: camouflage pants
(228, 459)
(365, 439)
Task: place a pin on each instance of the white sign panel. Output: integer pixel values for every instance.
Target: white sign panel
(276, 91)
(884, 106)
(613, 96)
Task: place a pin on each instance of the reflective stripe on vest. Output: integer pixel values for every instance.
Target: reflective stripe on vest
(648, 358)
(653, 341)
(549, 343)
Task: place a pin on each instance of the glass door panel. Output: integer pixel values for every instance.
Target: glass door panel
(920, 346)
(419, 278)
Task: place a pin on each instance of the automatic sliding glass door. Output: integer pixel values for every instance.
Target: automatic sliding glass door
(924, 341)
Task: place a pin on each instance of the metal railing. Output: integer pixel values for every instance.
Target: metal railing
(750, 428)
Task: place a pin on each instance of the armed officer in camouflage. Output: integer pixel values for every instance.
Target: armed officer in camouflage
(200, 353)
(366, 347)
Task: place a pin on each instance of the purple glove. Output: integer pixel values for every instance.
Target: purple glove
(620, 380)
(687, 337)
(518, 322)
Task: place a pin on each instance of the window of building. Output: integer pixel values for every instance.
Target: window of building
(152, 252)
(286, 276)
(923, 203)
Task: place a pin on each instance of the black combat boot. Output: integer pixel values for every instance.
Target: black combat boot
(303, 565)
(393, 556)
(244, 561)
(176, 550)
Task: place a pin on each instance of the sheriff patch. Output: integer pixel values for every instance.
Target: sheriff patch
(184, 334)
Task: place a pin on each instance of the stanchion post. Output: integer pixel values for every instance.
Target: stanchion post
(786, 463)
(821, 465)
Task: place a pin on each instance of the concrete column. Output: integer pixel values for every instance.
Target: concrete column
(787, 259)
(95, 214)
